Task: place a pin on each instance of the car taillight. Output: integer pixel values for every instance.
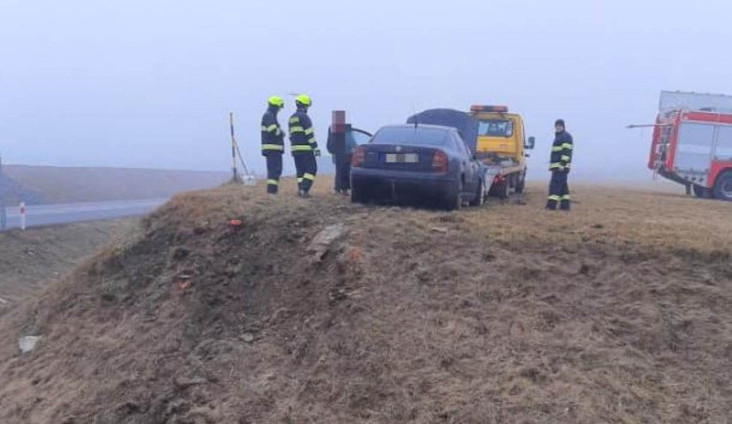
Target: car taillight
(440, 162)
(358, 157)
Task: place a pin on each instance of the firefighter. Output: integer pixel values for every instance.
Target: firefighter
(304, 146)
(561, 160)
(273, 143)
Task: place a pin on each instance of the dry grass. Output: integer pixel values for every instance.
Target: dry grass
(618, 312)
(30, 259)
(656, 220)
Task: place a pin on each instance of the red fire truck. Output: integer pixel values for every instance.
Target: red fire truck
(692, 143)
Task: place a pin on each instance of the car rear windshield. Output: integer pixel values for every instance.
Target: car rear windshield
(495, 128)
(411, 135)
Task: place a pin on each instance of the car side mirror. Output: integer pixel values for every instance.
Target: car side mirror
(530, 143)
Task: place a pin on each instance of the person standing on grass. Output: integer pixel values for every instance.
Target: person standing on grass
(560, 162)
(273, 143)
(304, 146)
(342, 159)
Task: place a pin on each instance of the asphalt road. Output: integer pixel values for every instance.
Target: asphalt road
(42, 215)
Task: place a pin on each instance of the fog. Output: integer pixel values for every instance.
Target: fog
(149, 84)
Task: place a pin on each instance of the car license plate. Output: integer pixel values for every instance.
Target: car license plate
(402, 158)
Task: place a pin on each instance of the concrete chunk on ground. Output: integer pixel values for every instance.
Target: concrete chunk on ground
(28, 343)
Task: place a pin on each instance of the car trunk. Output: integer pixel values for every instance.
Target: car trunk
(399, 157)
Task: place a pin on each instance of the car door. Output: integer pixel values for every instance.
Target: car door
(468, 165)
(361, 136)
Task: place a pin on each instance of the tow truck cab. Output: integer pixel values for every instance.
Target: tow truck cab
(501, 142)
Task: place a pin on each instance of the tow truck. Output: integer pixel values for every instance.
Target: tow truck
(496, 137)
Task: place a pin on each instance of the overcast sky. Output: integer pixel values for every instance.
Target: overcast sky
(150, 83)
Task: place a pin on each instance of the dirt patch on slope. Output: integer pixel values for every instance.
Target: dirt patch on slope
(31, 259)
(321, 311)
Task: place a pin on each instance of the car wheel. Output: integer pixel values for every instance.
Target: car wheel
(702, 192)
(357, 196)
(723, 187)
(454, 201)
(479, 195)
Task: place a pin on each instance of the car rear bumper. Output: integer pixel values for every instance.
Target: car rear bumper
(416, 186)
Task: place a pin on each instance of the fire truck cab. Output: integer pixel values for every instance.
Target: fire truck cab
(692, 143)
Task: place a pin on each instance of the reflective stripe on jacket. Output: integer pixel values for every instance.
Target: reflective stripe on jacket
(561, 157)
(273, 139)
(302, 133)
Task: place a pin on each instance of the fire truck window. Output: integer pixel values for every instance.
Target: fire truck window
(694, 152)
(697, 134)
(724, 144)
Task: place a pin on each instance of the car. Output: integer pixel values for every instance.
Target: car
(425, 163)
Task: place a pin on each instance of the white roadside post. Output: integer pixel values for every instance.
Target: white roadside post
(22, 216)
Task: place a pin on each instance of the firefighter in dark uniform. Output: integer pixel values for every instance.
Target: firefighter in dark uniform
(561, 160)
(273, 143)
(304, 146)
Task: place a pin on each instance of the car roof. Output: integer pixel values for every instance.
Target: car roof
(435, 127)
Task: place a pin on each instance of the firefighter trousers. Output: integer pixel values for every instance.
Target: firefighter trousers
(559, 191)
(307, 168)
(274, 171)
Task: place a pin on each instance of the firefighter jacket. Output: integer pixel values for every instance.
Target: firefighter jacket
(561, 158)
(273, 139)
(302, 134)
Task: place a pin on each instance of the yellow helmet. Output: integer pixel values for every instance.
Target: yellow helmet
(304, 100)
(276, 101)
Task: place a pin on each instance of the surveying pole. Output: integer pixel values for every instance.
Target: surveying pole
(246, 177)
(234, 177)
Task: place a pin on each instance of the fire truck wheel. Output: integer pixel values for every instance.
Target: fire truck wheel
(702, 192)
(723, 187)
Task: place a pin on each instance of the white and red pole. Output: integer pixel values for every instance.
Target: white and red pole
(22, 216)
